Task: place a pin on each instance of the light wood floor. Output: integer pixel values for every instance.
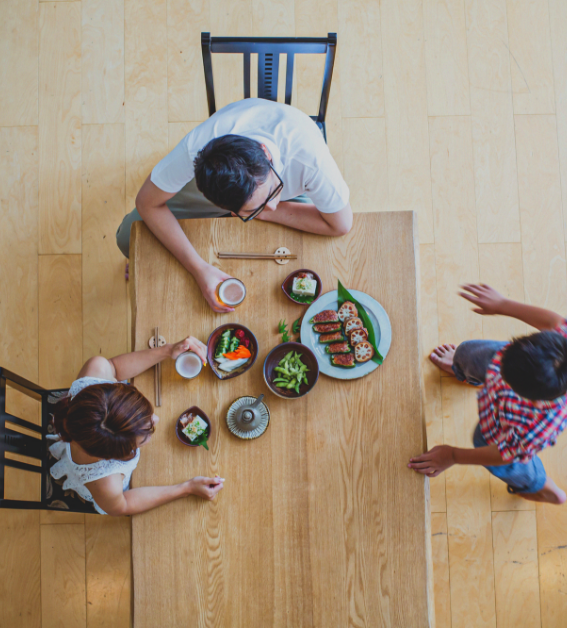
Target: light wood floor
(456, 109)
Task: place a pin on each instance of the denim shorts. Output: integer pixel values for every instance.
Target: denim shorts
(519, 476)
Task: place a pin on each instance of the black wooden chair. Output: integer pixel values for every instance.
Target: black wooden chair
(52, 495)
(269, 50)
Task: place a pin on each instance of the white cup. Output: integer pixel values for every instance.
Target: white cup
(188, 365)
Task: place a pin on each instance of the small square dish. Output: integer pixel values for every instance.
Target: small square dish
(304, 280)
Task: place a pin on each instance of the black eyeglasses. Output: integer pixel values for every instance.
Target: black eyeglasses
(259, 210)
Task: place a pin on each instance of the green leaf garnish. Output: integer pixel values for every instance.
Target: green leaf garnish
(344, 295)
(282, 329)
(296, 327)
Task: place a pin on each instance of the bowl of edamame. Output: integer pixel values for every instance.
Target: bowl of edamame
(291, 370)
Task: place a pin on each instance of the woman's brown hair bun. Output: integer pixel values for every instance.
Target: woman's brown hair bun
(106, 420)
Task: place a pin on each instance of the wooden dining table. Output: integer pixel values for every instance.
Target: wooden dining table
(320, 522)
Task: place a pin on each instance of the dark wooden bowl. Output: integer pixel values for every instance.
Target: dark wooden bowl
(288, 283)
(307, 357)
(212, 343)
(178, 427)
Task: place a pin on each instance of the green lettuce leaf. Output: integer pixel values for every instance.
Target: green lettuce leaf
(344, 295)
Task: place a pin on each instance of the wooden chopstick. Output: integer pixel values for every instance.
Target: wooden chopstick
(255, 256)
(157, 371)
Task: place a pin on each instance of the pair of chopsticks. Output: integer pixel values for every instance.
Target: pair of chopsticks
(157, 371)
(256, 256)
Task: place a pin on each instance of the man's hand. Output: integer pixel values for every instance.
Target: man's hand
(208, 279)
(486, 299)
(434, 461)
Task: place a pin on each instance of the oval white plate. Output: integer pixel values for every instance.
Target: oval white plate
(382, 328)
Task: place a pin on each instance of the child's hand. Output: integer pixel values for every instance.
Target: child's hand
(485, 298)
(207, 488)
(434, 461)
(189, 344)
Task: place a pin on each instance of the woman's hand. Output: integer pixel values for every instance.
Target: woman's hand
(434, 461)
(486, 299)
(208, 279)
(207, 488)
(189, 344)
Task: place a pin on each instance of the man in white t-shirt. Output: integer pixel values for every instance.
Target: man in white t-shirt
(251, 159)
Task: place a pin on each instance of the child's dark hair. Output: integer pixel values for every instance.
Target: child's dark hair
(105, 420)
(535, 366)
(229, 169)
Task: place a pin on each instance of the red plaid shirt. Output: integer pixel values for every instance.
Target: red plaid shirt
(518, 426)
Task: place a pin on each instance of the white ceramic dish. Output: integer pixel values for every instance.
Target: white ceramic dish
(382, 329)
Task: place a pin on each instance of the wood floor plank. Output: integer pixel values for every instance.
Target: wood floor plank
(441, 569)
(108, 571)
(516, 569)
(361, 59)
(446, 58)
(468, 516)
(429, 328)
(18, 62)
(366, 163)
(405, 93)
(102, 61)
(176, 131)
(20, 588)
(145, 72)
(18, 249)
(496, 179)
(531, 66)
(60, 320)
(543, 245)
(558, 21)
(105, 296)
(63, 600)
(456, 250)
(60, 127)
(187, 97)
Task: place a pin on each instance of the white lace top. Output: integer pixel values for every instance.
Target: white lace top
(77, 475)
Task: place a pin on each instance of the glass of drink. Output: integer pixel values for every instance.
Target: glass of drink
(231, 292)
(188, 365)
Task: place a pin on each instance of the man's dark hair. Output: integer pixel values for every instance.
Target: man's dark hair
(229, 169)
(536, 366)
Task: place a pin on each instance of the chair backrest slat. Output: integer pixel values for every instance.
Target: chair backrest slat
(269, 50)
(8, 462)
(22, 444)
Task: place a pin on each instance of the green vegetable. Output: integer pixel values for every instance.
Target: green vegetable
(222, 346)
(282, 329)
(303, 298)
(233, 346)
(296, 327)
(345, 295)
(202, 440)
(291, 372)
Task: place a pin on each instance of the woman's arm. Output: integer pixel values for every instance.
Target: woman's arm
(130, 365)
(440, 458)
(488, 301)
(108, 494)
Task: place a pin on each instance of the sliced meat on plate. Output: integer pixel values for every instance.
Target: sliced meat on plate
(344, 360)
(363, 351)
(327, 328)
(326, 316)
(338, 347)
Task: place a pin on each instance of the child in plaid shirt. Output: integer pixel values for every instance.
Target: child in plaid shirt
(522, 403)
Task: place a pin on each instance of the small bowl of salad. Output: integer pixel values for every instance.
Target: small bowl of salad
(193, 428)
(302, 286)
(231, 350)
(291, 370)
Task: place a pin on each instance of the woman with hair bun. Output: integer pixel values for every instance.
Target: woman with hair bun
(101, 426)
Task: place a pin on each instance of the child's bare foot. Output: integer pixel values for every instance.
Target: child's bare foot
(442, 357)
(550, 494)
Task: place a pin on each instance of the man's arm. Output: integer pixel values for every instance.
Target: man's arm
(488, 301)
(307, 217)
(151, 204)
